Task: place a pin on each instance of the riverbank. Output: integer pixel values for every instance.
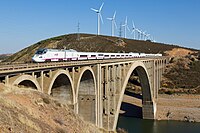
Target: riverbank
(183, 107)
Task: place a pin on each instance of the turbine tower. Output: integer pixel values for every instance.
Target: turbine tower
(99, 17)
(125, 25)
(114, 25)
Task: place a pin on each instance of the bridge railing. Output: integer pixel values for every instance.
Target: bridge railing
(17, 66)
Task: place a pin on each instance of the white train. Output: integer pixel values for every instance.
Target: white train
(47, 55)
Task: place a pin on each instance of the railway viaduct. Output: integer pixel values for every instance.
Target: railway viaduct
(93, 89)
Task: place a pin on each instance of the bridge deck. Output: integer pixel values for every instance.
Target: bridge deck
(14, 68)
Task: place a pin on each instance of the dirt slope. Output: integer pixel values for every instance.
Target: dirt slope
(28, 111)
(182, 73)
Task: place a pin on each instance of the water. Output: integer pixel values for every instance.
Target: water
(135, 125)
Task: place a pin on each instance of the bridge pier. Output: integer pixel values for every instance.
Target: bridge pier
(149, 109)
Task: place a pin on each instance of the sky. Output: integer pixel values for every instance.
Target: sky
(25, 22)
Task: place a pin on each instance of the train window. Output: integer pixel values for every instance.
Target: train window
(40, 51)
(112, 55)
(118, 55)
(106, 55)
(93, 55)
(83, 55)
(100, 54)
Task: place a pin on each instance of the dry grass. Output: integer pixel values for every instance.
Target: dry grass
(26, 110)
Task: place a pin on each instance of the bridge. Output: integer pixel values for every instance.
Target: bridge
(94, 89)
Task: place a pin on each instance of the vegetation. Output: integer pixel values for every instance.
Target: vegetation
(182, 76)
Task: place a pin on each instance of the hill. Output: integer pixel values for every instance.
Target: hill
(91, 43)
(4, 56)
(24, 110)
(182, 75)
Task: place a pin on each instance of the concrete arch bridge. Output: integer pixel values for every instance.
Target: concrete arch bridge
(93, 89)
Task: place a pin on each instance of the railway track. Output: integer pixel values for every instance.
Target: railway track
(14, 67)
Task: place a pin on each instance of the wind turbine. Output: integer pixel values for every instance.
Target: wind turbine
(114, 25)
(143, 35)
(139, 33)
(125, 25)
(99, 17)
(147, 36)
(133, 30)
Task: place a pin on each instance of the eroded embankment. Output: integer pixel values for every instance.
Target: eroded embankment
(26, 110)
(183, 107)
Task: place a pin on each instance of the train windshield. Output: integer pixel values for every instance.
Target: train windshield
(41, 51)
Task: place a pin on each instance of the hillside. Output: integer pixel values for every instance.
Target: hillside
(24, 110)
(182, 75)
(92, 43)
(4, 56)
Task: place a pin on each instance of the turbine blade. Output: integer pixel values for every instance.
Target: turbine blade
(94, 9)
(101, 7)
(138, 31)
(132, 31)
(128, 28)
(109, 18)
(101, 18)
(133, 24)
(126, 21)
(114, 15)
(115, 24)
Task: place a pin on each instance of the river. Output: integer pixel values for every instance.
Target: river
(136, 125)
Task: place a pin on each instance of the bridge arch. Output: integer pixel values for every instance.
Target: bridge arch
(142, 72)
(86, 95)
(61, 87)
(28, 81)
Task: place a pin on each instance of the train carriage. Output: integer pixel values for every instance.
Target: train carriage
(48, 55)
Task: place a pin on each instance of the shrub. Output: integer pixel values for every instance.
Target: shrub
(169, 92)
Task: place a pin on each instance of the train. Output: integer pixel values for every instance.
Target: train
(51, 55)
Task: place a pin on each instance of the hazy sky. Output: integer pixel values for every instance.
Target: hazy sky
(25, 22)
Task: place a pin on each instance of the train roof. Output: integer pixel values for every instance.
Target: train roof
(55, 50)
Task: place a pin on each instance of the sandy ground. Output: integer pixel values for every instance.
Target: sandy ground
(182, 107)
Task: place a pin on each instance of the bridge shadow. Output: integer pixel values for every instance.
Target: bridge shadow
(132, 94)
(130, 109)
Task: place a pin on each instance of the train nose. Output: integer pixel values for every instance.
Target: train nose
(34, 59)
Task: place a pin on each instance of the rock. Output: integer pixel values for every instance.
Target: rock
(192, 57)
(120, 42)
(189, 119)
(40, 102)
